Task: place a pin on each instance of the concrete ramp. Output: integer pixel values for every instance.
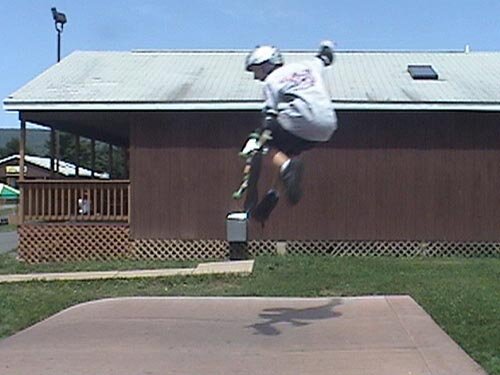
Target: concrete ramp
(363, 335)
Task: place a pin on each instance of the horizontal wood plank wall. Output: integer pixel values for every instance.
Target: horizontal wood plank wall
(384, 176)
(184, 168)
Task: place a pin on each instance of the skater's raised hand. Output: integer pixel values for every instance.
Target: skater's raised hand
(325, 52)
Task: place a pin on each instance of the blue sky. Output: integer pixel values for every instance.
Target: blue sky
(29, 39)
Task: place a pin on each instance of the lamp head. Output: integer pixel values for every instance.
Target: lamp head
(59, 19)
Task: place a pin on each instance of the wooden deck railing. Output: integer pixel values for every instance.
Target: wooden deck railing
(75, 200)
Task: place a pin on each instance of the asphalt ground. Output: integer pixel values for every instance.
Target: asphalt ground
(210, 335)
(8, 241)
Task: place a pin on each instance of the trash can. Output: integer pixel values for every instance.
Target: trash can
(237, 235)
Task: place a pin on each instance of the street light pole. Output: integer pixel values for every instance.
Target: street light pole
(59, 45)
(59, 21)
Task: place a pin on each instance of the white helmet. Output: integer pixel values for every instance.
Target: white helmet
(262, 54)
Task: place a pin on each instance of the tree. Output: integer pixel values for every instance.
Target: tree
(11, 148)
(67, 146)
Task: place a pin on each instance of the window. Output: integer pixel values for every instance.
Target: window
(422, 72)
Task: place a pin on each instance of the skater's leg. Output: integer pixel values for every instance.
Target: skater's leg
(263, 210)
(290, 172)
(289, 168)
(280, 158)
(291, 175)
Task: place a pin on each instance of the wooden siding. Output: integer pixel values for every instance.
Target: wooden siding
(384, 176)
(183, 169)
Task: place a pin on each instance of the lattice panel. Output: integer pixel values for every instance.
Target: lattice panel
(213, 249)
(72, 242)
(266, 247)
(394, 248)
(75, 242)
(179, 249)
(194, 249)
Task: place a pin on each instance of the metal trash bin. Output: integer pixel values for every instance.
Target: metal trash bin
(236, 227)
(237, 235)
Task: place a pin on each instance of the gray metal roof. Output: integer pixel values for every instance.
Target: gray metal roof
(197, 80)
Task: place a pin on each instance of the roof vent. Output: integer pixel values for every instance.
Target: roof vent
(422, 72)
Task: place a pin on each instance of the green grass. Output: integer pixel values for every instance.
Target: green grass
(9, 264)
(462, 295)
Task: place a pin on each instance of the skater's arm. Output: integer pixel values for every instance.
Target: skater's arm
(270, 99)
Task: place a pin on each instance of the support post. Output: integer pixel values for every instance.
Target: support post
(22, 151)
(110, 160)
(129, 202)
(92, 157)
(58, 150)
(77, 152)
(52, 152)
(126, 164)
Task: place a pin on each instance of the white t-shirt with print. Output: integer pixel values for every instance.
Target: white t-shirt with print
(297, 92)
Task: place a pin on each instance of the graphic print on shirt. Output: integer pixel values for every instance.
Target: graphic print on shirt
(301, 80)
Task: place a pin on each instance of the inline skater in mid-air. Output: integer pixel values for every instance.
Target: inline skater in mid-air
(298, 114)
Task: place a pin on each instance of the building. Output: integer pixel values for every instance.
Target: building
(412, 168)
(39, 168)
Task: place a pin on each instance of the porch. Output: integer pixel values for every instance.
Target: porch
(81, 217)
(71, 201)
(82, 220)
(67, 220)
